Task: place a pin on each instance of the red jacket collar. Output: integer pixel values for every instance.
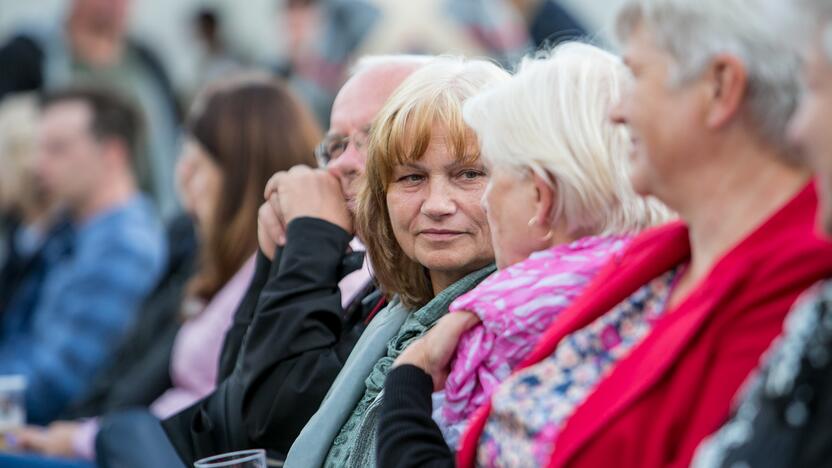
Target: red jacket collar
(651, 254)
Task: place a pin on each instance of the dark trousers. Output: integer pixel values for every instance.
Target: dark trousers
(134, 439)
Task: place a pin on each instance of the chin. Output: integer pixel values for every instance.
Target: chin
(638, 180)
(450, 261)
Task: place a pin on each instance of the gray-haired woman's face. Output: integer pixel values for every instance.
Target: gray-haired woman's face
(665, 120)
(809, 126)
(436, 214)
(510, 201)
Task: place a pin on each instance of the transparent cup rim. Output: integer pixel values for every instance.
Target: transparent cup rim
(12, 383)
(230, 458)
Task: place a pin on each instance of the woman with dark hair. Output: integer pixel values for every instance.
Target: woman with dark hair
(239, 133)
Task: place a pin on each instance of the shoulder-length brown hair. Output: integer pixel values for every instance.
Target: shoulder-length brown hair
(251, 127)
(432, 96)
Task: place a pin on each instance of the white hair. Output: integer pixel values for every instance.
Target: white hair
(552, 118)
(19, 116)
(693, 32)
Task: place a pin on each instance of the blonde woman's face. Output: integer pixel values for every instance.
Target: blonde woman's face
(437, 216)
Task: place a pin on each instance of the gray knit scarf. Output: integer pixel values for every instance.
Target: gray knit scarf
(355, 444)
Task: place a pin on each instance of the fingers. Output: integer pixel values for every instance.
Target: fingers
(270, 232)
(278, 221)
(269, 219)
(272, 186)
(455, 324)
(306, 192)
(29, 438)
(279, 179)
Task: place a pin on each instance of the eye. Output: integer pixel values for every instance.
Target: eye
(471, 174)
(411, 178)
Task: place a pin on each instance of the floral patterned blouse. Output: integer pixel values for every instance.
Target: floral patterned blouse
(531, 407)
(515, 305)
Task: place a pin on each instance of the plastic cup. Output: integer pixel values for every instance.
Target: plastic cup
(243, 459)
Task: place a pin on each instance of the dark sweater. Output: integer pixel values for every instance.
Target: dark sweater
(287, 347)
(407, 435)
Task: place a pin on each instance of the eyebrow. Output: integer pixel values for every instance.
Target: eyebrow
(452, 166)
(331, 134)
(409, 165)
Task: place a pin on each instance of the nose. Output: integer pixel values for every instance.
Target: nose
(348, 166)
(439, 202)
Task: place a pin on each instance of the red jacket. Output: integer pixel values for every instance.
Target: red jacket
(676, 387)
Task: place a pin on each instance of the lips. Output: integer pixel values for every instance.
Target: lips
(440, 234)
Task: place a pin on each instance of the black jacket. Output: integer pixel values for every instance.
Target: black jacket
(297, 339)
(785, 416)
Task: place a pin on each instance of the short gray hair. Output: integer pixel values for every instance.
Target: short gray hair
(552, 118)
(693, 32)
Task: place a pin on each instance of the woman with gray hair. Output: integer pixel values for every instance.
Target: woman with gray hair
(699, 300)
(559, 204)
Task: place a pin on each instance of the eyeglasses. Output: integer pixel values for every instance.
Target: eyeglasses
(335, 145)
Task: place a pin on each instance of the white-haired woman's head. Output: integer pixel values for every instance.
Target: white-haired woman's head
(694, 33)
(559, 167)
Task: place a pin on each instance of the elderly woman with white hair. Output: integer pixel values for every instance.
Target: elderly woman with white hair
(700, 299)
(559, 205)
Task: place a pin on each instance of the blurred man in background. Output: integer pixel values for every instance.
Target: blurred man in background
(92, 47)
(34, 240)
(310, 299)
(118, 248)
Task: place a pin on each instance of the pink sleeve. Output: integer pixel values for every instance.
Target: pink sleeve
(516, 305)
(83, 441)
(463, 387)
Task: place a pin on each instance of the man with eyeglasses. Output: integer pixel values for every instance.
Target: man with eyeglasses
(310, 298)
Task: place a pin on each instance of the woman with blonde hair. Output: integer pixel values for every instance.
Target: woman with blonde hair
(427, 237)
(698, 300)
(559, 205)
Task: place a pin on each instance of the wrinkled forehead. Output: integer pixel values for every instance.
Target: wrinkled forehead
(353, 110)
(362, 97)
(66, 116)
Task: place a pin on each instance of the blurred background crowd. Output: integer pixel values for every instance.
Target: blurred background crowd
(159, 54)
(353, 233)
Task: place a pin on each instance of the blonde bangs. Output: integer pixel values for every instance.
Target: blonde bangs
(429, 100)
(403, 136)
